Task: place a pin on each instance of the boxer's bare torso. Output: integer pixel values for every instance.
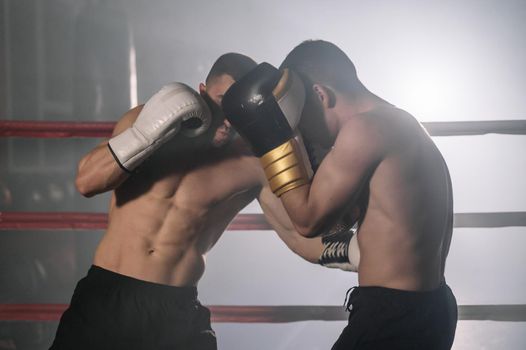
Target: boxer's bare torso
(405, 235)
(384, 160)
(167, 215)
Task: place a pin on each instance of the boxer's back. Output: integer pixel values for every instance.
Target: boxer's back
(405, 234)
(165, 217)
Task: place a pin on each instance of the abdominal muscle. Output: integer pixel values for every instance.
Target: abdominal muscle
(152, 239)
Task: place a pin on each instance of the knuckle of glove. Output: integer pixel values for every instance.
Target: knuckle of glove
(176, 104)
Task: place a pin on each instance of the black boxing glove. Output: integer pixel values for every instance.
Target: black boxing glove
(265, 107)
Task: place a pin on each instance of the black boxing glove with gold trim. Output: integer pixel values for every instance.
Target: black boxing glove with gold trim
(265, 107)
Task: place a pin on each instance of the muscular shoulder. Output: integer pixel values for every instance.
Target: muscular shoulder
(361, 131)
(385, 127)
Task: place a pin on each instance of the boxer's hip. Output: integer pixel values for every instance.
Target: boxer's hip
(110, 310)
(396, 319)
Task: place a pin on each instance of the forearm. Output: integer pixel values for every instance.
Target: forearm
(303, 212)
(98, 172)
(309, 249)
(338, 248)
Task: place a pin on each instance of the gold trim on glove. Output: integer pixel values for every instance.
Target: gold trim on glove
(284, 168)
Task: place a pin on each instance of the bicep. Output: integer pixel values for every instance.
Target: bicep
(346, 168)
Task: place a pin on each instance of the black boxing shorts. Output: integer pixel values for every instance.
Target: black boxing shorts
(384, 318)
(112, 311)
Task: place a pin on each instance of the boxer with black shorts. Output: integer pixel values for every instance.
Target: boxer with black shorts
(179, 176)
(379, 156)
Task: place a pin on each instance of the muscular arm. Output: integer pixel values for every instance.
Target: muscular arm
(358, 149)
(307, 248)
(97, 171)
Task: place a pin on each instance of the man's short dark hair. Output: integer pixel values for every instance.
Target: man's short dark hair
(319, 61)
(234, 64)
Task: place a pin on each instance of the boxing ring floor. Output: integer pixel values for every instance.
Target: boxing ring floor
(278, 313)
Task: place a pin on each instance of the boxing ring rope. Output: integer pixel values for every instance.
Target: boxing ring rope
(54, 129)
(98, 221)
(270, 314)
(57, 129)
(242, 314)
(19, 220)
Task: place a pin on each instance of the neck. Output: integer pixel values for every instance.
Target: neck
(352, 104)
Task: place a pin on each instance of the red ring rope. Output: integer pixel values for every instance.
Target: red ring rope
(220, 313)
(269, 314)
(99, 221)
(56, 129)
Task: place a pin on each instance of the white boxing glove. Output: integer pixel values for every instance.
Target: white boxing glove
(159, 120)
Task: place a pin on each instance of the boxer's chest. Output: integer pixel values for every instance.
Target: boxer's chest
(200, 183)
(219, 182)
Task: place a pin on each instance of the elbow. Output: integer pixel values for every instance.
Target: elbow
(83, 187)
(307, 222)
(81, 181)
(311, 226)
(307, 231)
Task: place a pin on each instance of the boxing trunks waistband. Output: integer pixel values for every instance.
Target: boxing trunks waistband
(109, 280)
(362, 294)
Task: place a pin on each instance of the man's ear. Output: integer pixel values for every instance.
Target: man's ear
(325, 95)
(202, 88)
